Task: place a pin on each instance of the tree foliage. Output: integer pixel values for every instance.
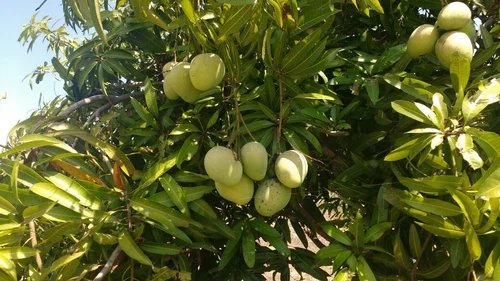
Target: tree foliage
(106, 183)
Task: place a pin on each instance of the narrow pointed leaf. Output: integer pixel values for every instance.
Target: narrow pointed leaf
(128, 245)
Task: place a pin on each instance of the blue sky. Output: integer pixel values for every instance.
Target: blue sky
(16, 63)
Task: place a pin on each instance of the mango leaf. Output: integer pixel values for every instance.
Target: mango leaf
(248, 247)
(160, 213)
(442, 232)
(343, 275)
(6, 207)
(8, 267)
(410, 109)
(157, 170)
(373, 89)
(144, 113)
(494, 213)
(376, 231)
(493, 261)
(414, 241)
(467, 205)
(459, 72)
(431, 185)
(36, 211)
(188, 9)
(175, 192)
(128, 245)
(222, 228)
(434, 206)
(488, 186)
(231, 246)
(390, 56)
(457, 249)
(160, 248)
(188, 149)
(302, 263)
(264, 228)
(201, 207)
(104, 239)
(400, 254)
(61, 197)
(364, 271)
(472, 241)
(81, 249)
(487, 141)
(237, 2)
(34, 141)
(16, 253)
(239, 16)
(95, 15)
(481, 56)
(357, 230)
(412, 87)
(435, 271)
(296, 56)
(336, 234)
(71, 186)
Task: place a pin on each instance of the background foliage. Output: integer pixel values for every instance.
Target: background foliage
(105, 183)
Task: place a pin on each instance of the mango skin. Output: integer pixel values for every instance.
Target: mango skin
(168, 89)
(291, 168)
(422, 41)
(206, 71)
(454, 16)
(168, 67)
(181, 84)
(271, 197)
(221, 166)
(470, 30)
(240, 193)
(254, 160)
(451, 42)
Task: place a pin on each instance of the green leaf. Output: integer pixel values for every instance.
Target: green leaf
(431, 185)
(486, 36)
(459, 72)
(231, 246)
(104, 239)
(296, 56)
(488, 186)
(261, 226)
(36, 211)
(357, 230)
(6, 207)
(442, 232)
(435, 271)
(237, 2)
(481, 56)
(184, 128)
(493, 261)
(61, 197)
(175, 192)
(390, 56)
(280, 246)
(239, 16)
(494, 213)
(413, 87)
(456, 251)
(157, 170)
(472, 241)
(364, 271)
(188, 9)
(343, 275)
(376, 231)
(160, 213)
(16, 253)
(248, 247)
(336, 234)
(467, 205)
(160, 248)
(414, 241)
(8, 267)
(78, 253)
(487, 141)
(222, 228)
(151, 97)
(411, 110)
(128, 245)
(95, 15)
(295, 141)
(71, 186)
(188, 149)
(372, 87)
(400, 254)
(201, 207)
(434, 206)
(144, 113)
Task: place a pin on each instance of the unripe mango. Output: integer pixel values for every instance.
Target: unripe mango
(470, 30)
(168, 89)
(181, 84)
(291, 168)
(221, 166)
(451, 42)
(271, 197)
(206, 71)
(454, 16)
(422, 40)
(240, 193)
(254, 160)
(168, 67)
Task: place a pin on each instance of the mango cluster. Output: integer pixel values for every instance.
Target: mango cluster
(234, 179)
(453, 31)
(189, 80)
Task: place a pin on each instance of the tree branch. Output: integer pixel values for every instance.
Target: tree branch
(107, 267)
(113, 100)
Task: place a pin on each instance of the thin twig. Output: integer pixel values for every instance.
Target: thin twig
(424, 246)
(34, 244)
(109, 264)
(335, 133)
